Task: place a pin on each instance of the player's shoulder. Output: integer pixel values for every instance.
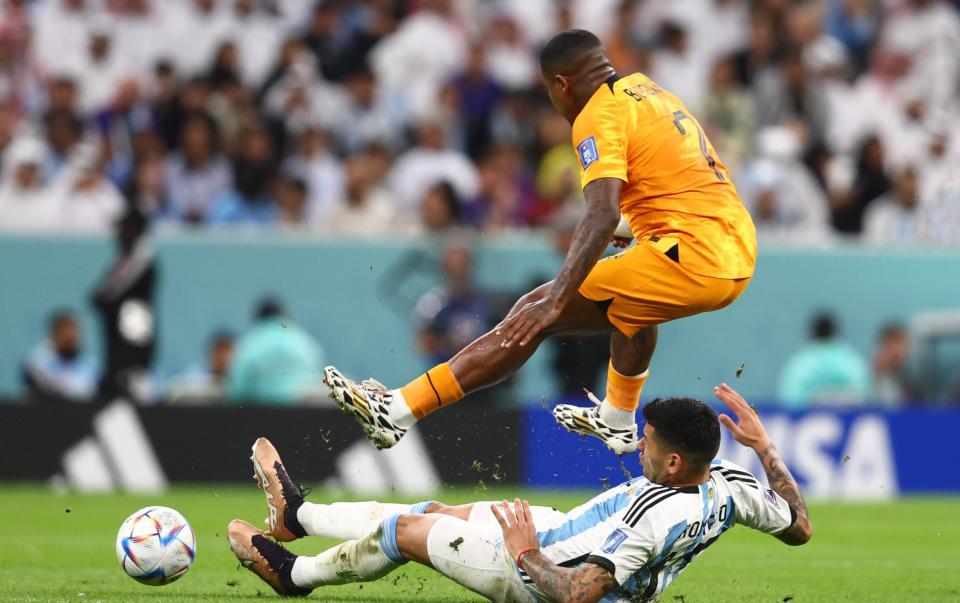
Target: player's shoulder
(733, 474)
(656, 505)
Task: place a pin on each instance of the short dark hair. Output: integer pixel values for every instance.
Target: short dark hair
(564, 52)
(269, 307)
(59, 317)
(892, 329)
(823, 326)
(687, 425)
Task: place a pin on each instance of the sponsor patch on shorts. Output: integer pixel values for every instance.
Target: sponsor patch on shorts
(614, 540)
(588, 152)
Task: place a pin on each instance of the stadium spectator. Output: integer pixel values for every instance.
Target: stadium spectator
(292, 203)
(782, 195)
(63, 129)
(440, 212)
(124, 299)
(25, 202)
(367, 210)
(478, 95)
(870, 182)
(100, 68)
(254, 167)
(205, 381)
(891, 379)
(728, 115)
(896, 218)
(196, 174)
(88, 201)
(370, 116)
(276, 362)
(454, 313)
(825, 371)
(430, 162)
(58, 367)
(314, 163)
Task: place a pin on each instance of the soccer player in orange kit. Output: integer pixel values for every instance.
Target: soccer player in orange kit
(645, 157)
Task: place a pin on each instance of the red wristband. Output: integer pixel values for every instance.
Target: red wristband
(521, 554)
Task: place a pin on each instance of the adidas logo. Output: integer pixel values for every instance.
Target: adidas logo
(117, 456)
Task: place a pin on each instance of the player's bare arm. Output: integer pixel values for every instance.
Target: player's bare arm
(749, 431)
(590, 239)
(586, 583)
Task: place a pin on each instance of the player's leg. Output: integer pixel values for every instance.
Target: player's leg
(291, 516)
(648, 287)
(465, 552)
(626, 374)
(386, 415)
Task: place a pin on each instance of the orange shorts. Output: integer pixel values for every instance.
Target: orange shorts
(644, 287)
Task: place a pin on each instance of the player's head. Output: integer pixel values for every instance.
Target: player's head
(680, 439)
(569, 63)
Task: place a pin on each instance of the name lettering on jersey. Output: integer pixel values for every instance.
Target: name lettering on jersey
(642, 91)
(588, 152)
(613, 542)
(697, 528)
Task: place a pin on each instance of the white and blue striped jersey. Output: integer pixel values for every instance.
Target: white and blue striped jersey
(646, 534)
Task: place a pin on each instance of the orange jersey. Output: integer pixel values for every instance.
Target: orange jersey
(674, 183)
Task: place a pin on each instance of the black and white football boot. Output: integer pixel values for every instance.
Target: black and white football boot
(368, 402)
(587, 421)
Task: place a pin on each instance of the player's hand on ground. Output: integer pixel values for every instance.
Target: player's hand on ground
(516, 520)
(621, 242)
(525, 324)
(747, 430)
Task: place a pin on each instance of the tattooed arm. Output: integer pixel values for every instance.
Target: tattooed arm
(587, 583)
(749, 431)
(783, 484)
(590, 238)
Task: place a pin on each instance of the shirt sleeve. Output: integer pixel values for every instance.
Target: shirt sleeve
(600, 141)
(757, 506)
(626, 549)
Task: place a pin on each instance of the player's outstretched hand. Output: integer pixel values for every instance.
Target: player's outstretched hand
(621, 242)
(519, 533)
(522, 326)
(748, 430)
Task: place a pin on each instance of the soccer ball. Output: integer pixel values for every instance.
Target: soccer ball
(156, 546)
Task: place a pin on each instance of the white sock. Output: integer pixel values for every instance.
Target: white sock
(400, 413)
(346, 520)
(616, 417)
(358, 560)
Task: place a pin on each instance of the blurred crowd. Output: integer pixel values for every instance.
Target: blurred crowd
(373, 117)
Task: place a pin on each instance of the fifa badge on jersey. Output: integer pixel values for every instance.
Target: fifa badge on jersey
(588, 152)
(614, 540)
(771, 498)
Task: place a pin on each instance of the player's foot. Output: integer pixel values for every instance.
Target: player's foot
(587, 421)
(264, 557)
(368, 402)
(283, 496)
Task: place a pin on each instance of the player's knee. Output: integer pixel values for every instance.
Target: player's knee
(411, 536)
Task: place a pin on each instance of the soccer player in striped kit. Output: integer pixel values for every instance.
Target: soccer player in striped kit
(627, 543)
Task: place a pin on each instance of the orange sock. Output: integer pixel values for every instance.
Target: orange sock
(624, 391)
(432, 390)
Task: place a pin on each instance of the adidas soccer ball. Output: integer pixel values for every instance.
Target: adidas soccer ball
(156, 546)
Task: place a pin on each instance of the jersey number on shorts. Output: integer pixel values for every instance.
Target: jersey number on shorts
(679, 116)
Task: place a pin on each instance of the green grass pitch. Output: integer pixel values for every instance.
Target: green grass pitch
(61, 548)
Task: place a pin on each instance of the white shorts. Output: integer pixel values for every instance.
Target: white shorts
(471, 553)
